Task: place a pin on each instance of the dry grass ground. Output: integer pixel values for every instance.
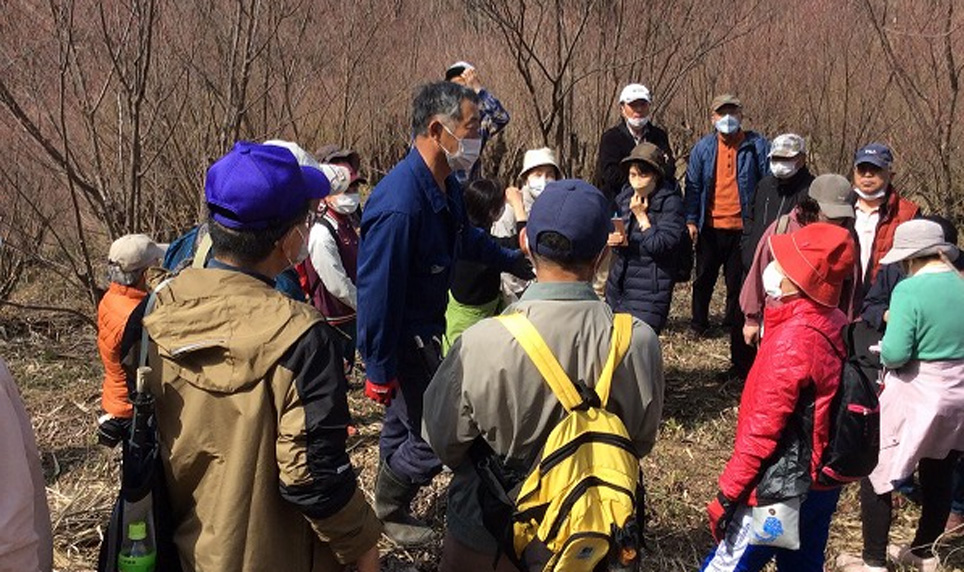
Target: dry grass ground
(57, 368)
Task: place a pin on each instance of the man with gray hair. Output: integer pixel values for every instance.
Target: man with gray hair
(414, 229)
(127, 260)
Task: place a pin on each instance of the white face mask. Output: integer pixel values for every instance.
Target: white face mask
(537, 184)
(466, 155)
(302, 252)
(345, 203)
(871, 196)
(783, 169)
(728, 124)
(772, 278)
(637, 123)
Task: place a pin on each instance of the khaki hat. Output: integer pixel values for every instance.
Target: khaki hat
(833, 194)
(917, 238)
(647, 153)
(539, 158)
(135, 252)
(724, 99)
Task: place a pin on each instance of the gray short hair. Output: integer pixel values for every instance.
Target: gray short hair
(115, 274)
(440, 98)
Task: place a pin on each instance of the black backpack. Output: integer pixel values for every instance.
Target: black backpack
(851, 452)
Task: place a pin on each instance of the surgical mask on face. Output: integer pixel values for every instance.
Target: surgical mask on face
(772, 278)
(637, 123)
(871, 196)
(537, 184)
(467, 154)
(728, 124)
(345, 203)
(302, 251)
(783, 169)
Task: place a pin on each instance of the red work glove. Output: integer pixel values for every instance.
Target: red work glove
(720, 511)
(381, 392)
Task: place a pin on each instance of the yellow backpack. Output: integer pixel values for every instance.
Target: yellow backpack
(578, 504)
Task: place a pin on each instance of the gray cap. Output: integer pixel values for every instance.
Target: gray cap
(833, 193)
(787, 146)
(916, 238)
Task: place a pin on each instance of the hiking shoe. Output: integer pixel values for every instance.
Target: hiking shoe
(905, 557)
(955, 524)
(852, 563)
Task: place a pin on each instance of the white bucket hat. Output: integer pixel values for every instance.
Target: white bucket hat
(917, 238)
(539, 158)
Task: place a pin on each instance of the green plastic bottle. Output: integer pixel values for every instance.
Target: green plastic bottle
(137, 552)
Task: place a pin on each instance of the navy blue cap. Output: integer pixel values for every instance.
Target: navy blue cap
(255, 187)
(876, 154)
(576, 210)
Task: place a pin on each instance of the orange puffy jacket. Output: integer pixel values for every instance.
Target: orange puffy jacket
(112, 313)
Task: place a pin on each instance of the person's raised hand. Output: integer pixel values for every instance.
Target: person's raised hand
(513, 196)
(472, 80)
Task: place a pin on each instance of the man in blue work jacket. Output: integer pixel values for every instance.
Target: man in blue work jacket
(414, 228)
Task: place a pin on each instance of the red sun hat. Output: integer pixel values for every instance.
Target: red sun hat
(817, 258)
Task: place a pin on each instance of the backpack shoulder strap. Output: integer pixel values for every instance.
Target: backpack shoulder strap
(618, 346)
(535, 347)
(783, 223)
(203, 249)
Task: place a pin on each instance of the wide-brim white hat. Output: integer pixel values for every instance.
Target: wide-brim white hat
(539, 158)
(917, 238)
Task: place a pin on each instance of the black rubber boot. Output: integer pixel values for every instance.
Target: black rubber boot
(393, 498)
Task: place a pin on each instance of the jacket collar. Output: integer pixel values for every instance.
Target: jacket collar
(888, 209)
(559, 291)
(127, 291)
(215, 263)
(797, 308)
(426, 181)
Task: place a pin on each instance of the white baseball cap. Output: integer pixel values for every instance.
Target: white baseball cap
(635, 92)
(134, 252)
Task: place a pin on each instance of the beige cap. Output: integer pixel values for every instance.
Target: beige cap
(135, 252)
(724, 99)
(539, 158)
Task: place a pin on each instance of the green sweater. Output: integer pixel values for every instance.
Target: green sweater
(926, 320)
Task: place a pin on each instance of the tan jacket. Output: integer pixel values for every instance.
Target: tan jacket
(488, 386)
(252, 416)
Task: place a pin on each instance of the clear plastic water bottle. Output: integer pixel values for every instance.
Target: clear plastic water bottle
(137, 553)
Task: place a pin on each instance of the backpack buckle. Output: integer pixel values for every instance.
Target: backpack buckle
(589, 396)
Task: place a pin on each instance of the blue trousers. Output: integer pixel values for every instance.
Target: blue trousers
(815, 514)
(401, 444)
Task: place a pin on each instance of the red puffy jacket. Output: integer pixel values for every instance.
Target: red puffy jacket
(793, 356)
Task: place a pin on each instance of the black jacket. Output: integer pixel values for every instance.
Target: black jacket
(615, 145)
(641, 276)
(774, 197)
